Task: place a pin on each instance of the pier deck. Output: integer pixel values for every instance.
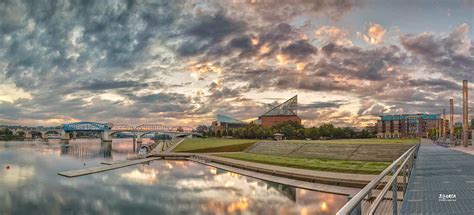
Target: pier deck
(440, 171)
(92, 170)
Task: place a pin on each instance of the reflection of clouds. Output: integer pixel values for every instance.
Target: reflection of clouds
(304, 211)
(241, 205)
(146, 176)
(324, 206)
(169, 165)
(153, 188)
(233, 193)
(213, 170)
(224, 192)
(16, 175)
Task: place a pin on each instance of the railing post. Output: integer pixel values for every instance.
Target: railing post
(404, 178)
(409, 167)
(357, 210)
(394, 192)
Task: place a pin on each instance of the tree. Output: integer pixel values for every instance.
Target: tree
(201, 128)
(432, 133)
(6, 134)
(327, 130)
(289, 131)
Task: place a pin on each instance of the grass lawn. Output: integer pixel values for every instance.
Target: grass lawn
(358, 141)
(361, 167)
(214, 145)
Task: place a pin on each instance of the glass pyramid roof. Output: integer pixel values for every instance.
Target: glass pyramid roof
(226, 119)
(287, 108)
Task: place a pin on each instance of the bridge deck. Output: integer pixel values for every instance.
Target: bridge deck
(438, 171)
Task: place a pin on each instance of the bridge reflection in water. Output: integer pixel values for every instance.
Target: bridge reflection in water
(95, 148)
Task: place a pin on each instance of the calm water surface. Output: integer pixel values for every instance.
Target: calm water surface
(31, 185)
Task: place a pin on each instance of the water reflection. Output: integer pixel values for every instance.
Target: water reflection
(14, 175)
(144, 175)
(160, 187)
(95, 148)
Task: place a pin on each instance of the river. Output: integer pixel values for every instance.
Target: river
(29, 184)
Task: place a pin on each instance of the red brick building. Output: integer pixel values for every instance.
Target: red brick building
(284, 112)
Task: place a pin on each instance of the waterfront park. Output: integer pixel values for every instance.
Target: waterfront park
(293, 173)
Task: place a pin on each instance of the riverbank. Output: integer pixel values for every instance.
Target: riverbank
(357, 156)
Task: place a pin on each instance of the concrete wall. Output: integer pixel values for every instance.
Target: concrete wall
(356, 152)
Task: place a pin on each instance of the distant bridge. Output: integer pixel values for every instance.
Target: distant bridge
(106, 130)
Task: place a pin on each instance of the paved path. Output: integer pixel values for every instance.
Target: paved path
(171, 148)
(440, 171)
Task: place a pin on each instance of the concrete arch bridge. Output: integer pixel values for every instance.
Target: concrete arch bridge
(141, 130)
(30, 132)
(106, 130)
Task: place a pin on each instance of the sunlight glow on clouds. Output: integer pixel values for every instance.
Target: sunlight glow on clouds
(374, 34)
(182, 62)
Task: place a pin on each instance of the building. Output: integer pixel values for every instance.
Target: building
(223, 123)
(407, 125)
(284, 112)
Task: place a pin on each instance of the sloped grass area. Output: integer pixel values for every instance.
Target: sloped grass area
(358, 167)
(358, 141)
(214, 145)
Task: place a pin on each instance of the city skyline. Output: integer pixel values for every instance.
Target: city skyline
(183, 62)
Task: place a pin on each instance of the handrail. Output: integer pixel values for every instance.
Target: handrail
(381, 195)
(357, 199)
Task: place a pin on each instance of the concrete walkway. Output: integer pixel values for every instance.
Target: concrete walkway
(92, 170)
(442, 182)
(172, 147)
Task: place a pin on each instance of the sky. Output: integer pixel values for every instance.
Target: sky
(182, 62)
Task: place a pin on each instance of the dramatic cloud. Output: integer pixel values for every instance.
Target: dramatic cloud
(451, 54)
(374, 35)
(331, 34)
(182, 62)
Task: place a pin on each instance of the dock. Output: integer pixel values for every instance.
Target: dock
(442, 182)
(330, 182)
(92, 170)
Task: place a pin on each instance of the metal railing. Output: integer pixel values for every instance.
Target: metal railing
(404, 164)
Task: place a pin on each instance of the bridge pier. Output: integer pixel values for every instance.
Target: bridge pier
(44, 136)
(106, 137)
(65, 135)
(138, 141)
(28, 135)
